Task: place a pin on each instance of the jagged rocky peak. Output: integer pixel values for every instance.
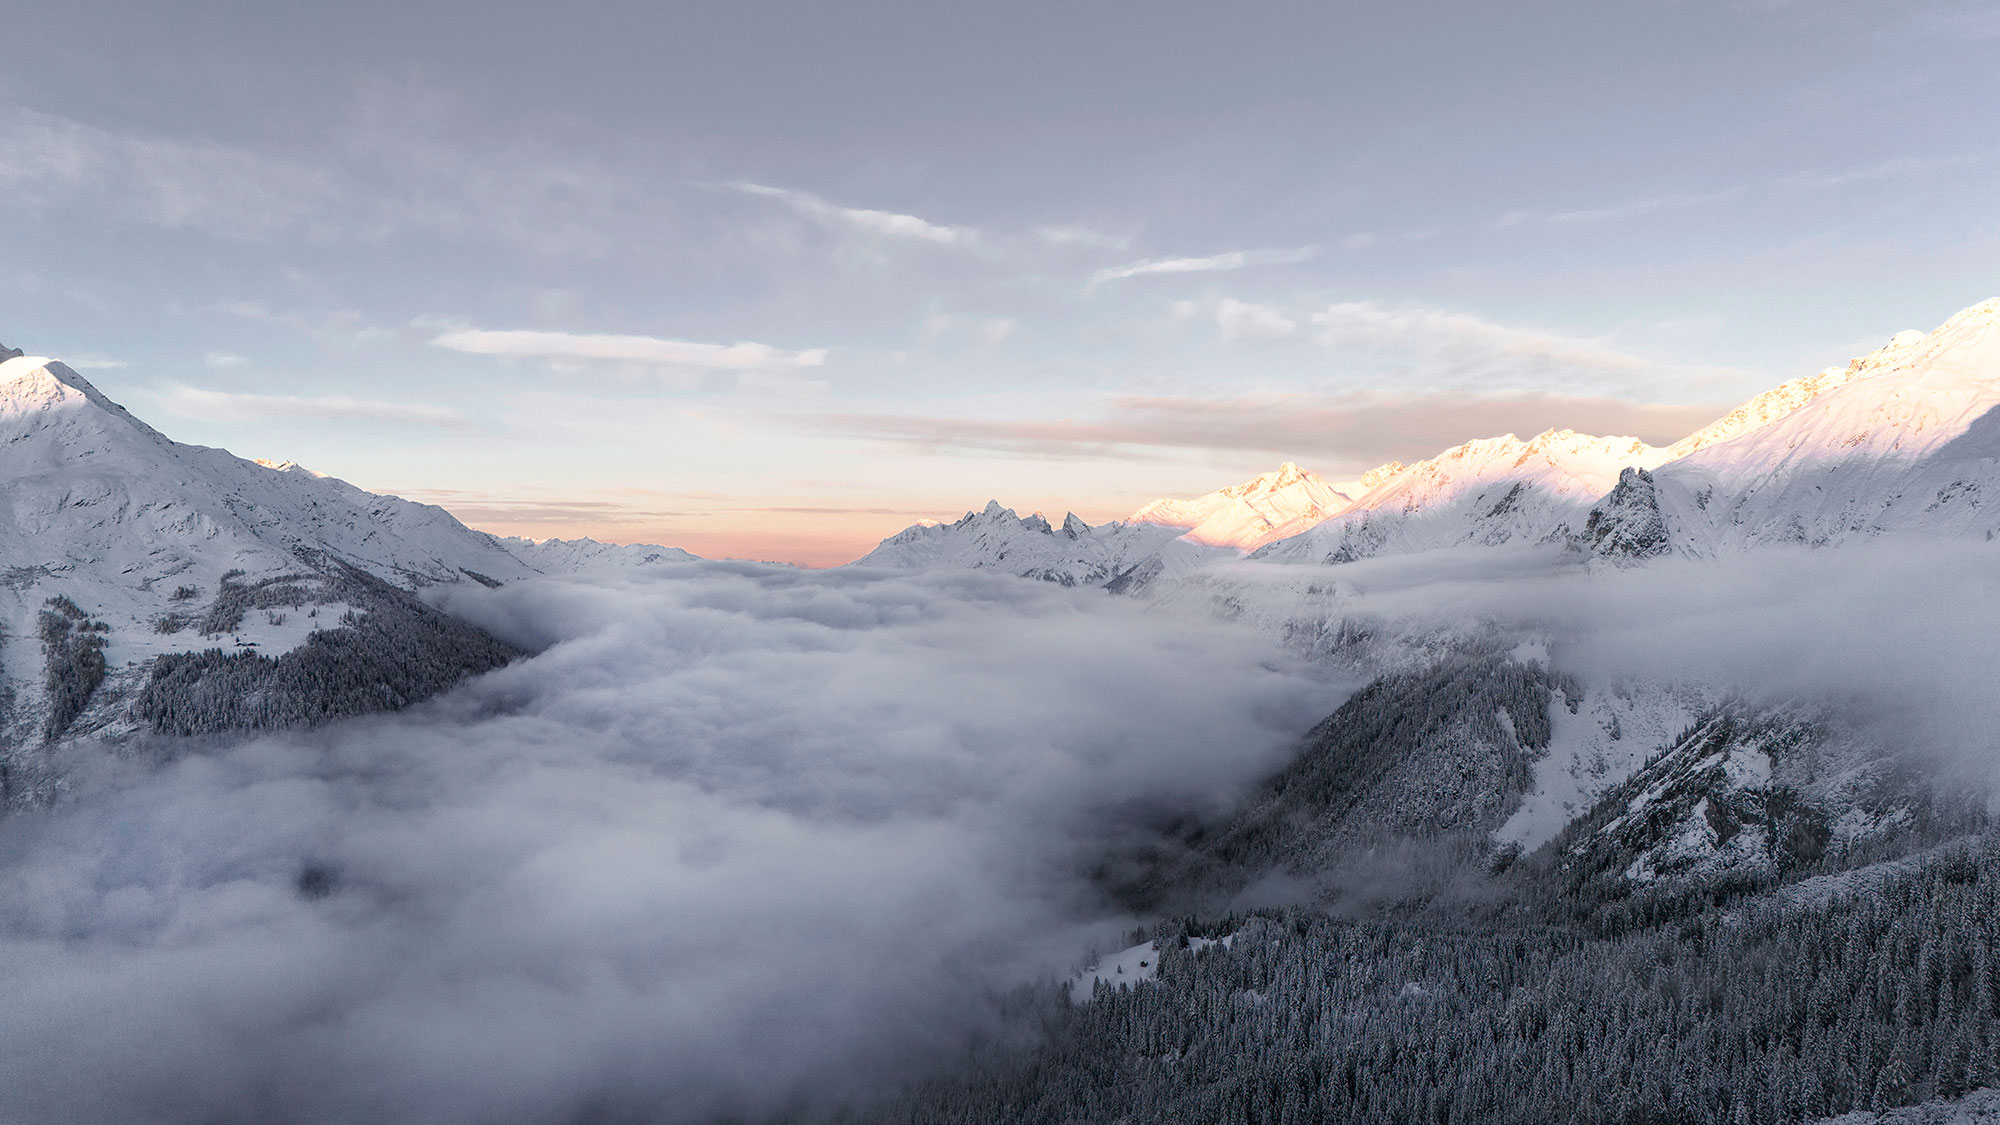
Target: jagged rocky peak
(7, 353)
(1627, 524)
(1074, 527)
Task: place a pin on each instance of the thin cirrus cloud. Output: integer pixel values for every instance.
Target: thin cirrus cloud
(1341, 431)
(887, 224)
(1227, 260)
(574, 347)
(196, 402)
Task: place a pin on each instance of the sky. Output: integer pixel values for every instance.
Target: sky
(776, 280)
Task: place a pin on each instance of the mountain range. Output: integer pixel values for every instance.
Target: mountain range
(1900, 441)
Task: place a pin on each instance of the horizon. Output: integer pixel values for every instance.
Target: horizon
(716, 280)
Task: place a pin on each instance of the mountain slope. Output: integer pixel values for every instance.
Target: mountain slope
(120, 546)
(1905, 441)
(1485, 492)
(1248, 515)
(1074, 554)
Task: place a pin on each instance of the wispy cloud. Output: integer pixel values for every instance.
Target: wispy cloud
(95, 363)
(195, 402)
(1228, 260)
(573, 347)
(1069, 235)
(1639, 208)
(1464, 349)
(1902, 167)
(1340, 431)
(886, 224)
(157, 180)
(1240, 320)
(1628, 209)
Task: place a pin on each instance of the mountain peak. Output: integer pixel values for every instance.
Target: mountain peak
(35, 386)
(1248, 515)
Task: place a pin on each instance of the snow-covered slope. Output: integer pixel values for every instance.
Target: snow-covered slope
(166, 548)
(1905, 441)
(112, 513)
(1074, 554)
(1485, 492)
(1248, 515)
(583, 556)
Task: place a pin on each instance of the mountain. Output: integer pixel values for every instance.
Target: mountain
(1902, 440)
(1161, 537)
(140, 577)
(1485, 492)
(1074, 554)
(1905, 441)
(1248, 515)
(585, 556)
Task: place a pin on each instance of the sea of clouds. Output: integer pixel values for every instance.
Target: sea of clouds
(735, 839)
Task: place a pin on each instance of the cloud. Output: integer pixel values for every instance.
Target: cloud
(221, 360)
(1062, 235)
(1639, 208)
(1903, 167)
(1782, 626)
(157, 180)
(886, 224)
(1241, 321)
(1473, 351)
(399, 168)
(990, 331)
(640, 349)
(194, 402)
(740, 840)
(1229, 260)
(1349, 430)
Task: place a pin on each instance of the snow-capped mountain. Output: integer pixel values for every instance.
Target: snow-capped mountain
(582, 556)
(1248, 515)
(117, 514)
(1485, 492)
(1902, 440)
(148, 547)
(1074, 554)
(1906, 441)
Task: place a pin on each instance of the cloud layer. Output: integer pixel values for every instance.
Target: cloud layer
(1357, 430)
(737, 834)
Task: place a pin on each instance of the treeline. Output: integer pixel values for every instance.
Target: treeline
(1866, 995)
(392, 652)
(73, 662)
(1428, 760)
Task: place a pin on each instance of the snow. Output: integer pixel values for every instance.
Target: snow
(1123, 969)
(1136, 965)
(583, 556)
(1980, 1107)
(1901, 441)
(1074, 554)
(1248, 515)
(1615, 729)
(1484, 492)
(107, 511)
